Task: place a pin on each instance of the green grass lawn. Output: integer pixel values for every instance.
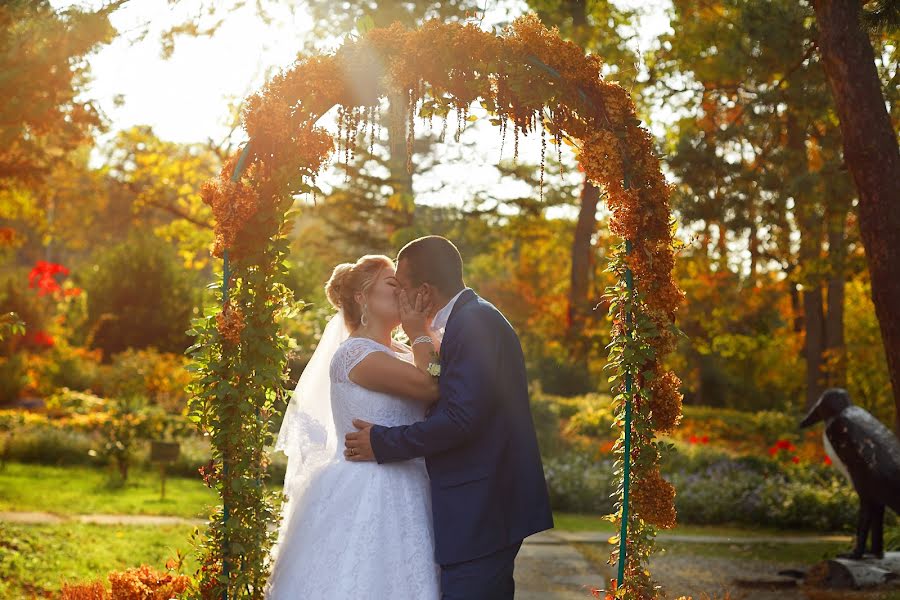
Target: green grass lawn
(84, 490)
(35, 559)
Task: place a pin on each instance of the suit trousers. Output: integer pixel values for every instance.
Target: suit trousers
(485, 578)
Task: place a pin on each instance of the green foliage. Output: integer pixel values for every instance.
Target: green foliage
(120, 432)
(741, 350)
(159, 376)
(17, 298)
(235, 409)
(70, 367)
(882, 15)
(12, 378)
(11, 324)
(65, 401)
(46, 444)
(765, 425)
(140, 295)
(161, 181)
(892, 538)
(50, 446)
(868, 381)
(595, 419)
(579, 483)
(732, 479)
(714, 488)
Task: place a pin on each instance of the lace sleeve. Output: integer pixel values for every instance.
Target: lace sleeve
(350, 354)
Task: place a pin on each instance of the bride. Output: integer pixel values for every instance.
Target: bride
(356, 529)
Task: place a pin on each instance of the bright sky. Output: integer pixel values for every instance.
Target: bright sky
(186, 97)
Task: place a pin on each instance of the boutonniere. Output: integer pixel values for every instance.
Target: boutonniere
(434, 362)
(434, 366)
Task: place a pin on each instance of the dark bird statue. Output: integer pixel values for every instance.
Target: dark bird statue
(868, 453)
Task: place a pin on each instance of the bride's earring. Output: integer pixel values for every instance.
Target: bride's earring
(364, 319)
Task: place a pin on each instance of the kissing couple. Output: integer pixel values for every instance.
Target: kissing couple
(413, 471)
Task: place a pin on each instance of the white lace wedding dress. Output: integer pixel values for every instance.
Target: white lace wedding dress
(359, 529)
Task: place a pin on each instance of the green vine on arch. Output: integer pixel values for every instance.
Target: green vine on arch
(528, 77)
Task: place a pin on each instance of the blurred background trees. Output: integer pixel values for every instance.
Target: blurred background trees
(778, 280)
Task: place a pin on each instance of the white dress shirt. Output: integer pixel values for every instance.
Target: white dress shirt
(440, 319)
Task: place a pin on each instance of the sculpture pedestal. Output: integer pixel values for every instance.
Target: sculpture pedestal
(845, 573)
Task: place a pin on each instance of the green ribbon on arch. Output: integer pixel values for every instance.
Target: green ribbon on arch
(226, 276)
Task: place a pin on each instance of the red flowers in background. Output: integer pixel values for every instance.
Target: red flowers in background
(783, 449)
(698, 439)
(41, 277)
(41, 338)
(782, 445)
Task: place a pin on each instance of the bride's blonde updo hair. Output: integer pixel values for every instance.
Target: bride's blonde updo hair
(349, 278)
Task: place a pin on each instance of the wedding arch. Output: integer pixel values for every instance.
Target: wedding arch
(527, 77)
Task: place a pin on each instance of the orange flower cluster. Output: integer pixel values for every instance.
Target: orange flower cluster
(7, 236)
(654, 499)
(665, 402)
(145, 583)
(142, 583)
(230, 323)
(232, 204)
(93, 590)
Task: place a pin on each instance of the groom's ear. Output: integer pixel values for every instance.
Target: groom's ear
(428, 297)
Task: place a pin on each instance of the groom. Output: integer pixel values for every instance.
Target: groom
(487, 482)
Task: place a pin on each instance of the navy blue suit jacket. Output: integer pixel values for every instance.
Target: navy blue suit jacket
(480, 447)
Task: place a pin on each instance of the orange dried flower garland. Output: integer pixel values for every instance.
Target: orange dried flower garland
(528, 76)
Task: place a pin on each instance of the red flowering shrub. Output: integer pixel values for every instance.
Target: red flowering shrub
(42, 277)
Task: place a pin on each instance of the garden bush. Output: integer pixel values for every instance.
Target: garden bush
(138, 295)
(158, 376)
(13, 378)
(48, 445)
(29, 437)
(757, 492)
(577, 482)
(16, 297)
(728, 466)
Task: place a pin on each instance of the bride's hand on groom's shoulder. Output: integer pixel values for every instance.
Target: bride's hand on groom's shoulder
(414, 314)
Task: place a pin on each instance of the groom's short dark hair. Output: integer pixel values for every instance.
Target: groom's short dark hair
(434, 259)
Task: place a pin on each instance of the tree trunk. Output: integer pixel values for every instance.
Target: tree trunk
(796, 313)
(872, 156)
(722, 246)
(581, 264)
(834, 320)
(753, 242)
(814, 344)
(809, 222)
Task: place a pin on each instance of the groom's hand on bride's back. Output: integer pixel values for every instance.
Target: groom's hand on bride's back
(357, 444)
